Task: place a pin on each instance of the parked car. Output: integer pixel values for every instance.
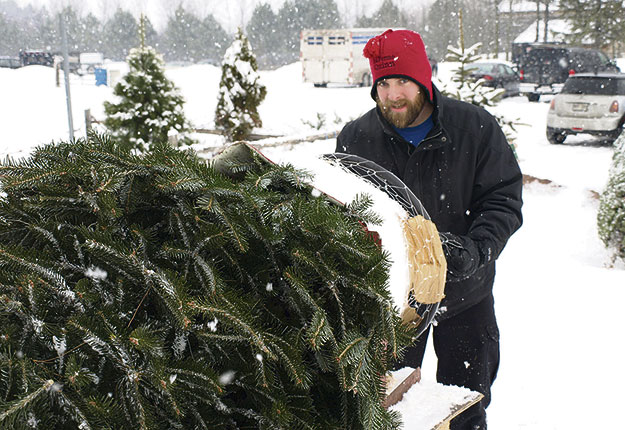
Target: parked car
(543, 68)
(496, 74)
(592, 103)
(10, 62)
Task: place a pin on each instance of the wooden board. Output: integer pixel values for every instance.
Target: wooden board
(428, 405)
(457, 410)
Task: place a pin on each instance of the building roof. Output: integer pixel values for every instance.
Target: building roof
(557, 30)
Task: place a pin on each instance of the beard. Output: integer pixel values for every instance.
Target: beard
(402, 119)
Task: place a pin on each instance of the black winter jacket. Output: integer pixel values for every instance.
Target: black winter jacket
(465, 174)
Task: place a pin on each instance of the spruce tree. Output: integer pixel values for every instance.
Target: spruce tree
(264, 36)
(600, 21)
(159, 292)
(611, 215)
(149, 107)
(184, 37)
(120, 35)
(387, 15)
(240, 91)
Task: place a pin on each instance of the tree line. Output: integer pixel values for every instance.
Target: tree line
(274, 35)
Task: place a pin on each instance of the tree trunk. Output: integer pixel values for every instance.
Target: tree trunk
(546, 33)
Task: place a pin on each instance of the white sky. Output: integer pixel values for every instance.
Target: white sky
(230, 14)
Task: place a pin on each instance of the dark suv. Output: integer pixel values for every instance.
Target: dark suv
(543, 68)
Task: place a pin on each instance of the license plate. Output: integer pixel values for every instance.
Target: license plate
(579, 107)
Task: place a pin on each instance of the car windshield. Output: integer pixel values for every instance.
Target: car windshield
(595, 85)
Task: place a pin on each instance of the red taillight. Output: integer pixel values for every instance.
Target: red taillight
(552, 106)
(614, 107)
(488, 77)
(571, 72)
(521, 74)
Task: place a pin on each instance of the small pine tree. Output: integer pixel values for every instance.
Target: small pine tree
(240, 91)
(463, 87)
(156, 292)
(611, 215)
(149, 107)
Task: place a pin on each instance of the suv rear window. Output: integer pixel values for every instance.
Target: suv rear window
(595, 85)
(549, 56)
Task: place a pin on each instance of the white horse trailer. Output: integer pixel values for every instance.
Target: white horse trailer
(335, 56)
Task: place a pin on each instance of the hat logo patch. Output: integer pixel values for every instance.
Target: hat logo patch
(384, 62)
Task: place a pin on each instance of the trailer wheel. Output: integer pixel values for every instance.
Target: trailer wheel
(366, 80)
(321, 85)
(533, 97)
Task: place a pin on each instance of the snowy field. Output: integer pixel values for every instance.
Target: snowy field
(558, 295)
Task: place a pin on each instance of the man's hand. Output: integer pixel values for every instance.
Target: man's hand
(462, 255)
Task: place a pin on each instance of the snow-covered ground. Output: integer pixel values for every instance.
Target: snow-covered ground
(558, 295)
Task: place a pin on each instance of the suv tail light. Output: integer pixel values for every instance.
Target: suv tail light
(571, 72)
(552, 106)
(521, 74)
(614, 107)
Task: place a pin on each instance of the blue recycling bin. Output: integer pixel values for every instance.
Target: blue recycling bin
(100, 76)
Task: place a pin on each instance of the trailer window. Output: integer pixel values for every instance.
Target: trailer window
(314, 40)
(336, 40)
(361, 40)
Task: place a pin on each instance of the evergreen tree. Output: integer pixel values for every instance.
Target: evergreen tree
(90, 34)
(183, 36)
(263, 32)
(187, 38)
(149, 107)
(438, 33)
(611, 215)
(72, 28)
(42, 32)
(156, 293)
(216, 40)
(318, 14)
(388, 15)
(240, 91)
(151, 36)
(120, 35)
(289, 27)
(297, 15)
(600, 21)
(10, 32)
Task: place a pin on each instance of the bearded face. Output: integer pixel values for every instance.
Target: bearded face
(400, 110)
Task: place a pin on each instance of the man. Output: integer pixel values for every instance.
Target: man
(455, 158)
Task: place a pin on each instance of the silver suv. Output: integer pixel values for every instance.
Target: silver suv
(592, 103)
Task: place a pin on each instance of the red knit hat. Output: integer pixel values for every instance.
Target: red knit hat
(399, 53)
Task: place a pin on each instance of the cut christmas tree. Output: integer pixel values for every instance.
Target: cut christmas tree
(153, 292)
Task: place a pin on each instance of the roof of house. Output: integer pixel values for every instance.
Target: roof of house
(557, 30)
